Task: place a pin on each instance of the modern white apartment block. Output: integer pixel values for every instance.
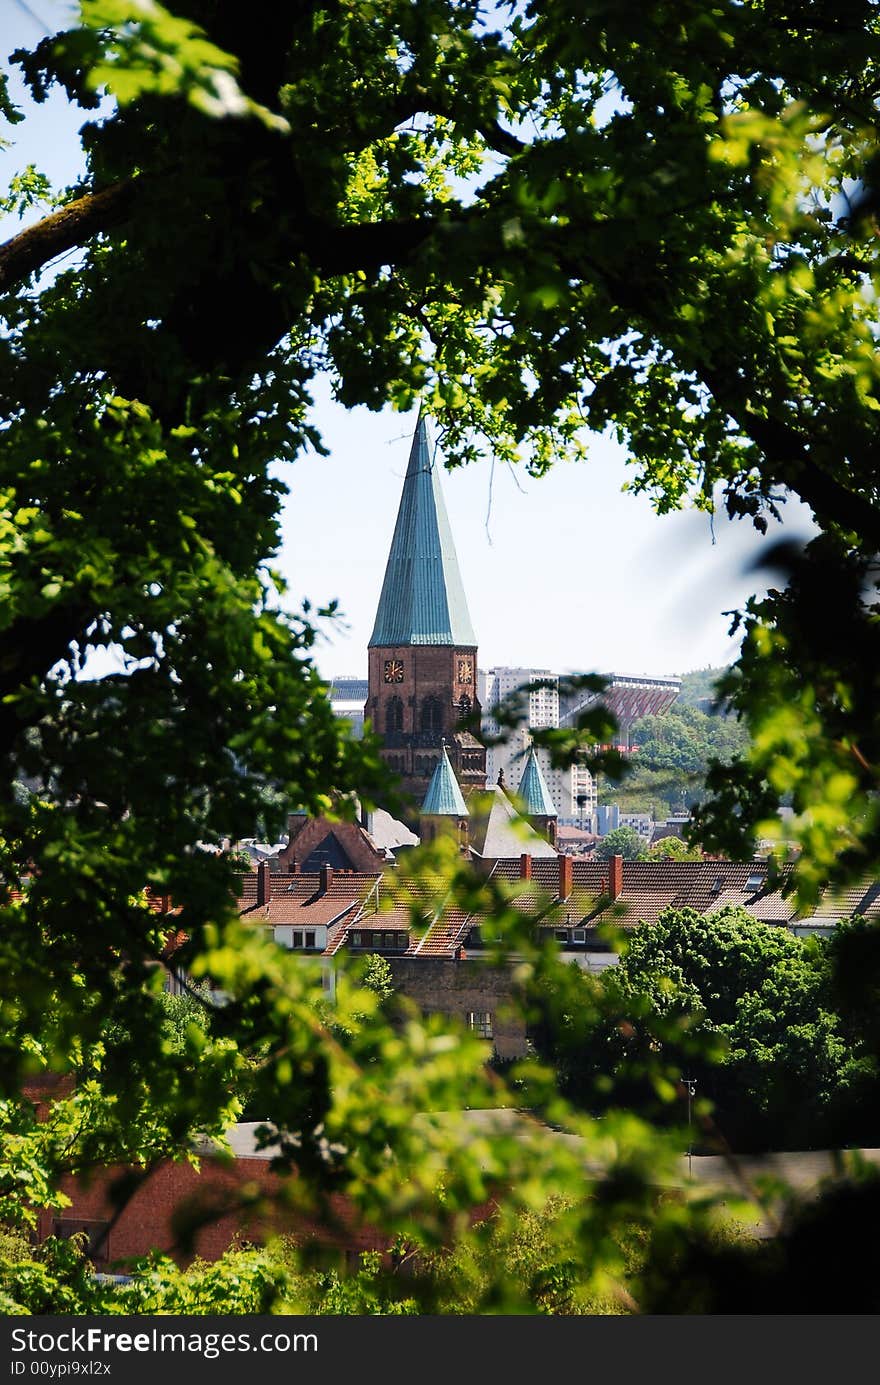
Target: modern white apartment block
(347, 697)
(642, 823)
(573, 790)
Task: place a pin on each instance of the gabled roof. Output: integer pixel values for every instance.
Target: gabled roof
(422, 600)
(497, 829)
(387, 833)
(444, 798)
(341, 844)
(533, 791)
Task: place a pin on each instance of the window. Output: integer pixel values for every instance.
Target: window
(579, 935)
(432, 714)
(310, 940)
(378, 941)
(297, 938)
(394, 715)
(389, 941)
(480, 1023)
(561, 935)
(755, 881)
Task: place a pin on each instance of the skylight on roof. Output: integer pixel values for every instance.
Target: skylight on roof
(755, 881)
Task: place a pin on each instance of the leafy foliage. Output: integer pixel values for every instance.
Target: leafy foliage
(749, 1012)
(659, 222)
(673, 849)
(668, 772)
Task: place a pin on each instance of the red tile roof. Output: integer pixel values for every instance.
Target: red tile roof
(436, 926)
(342, 883)
(308, 913)
(863, 898)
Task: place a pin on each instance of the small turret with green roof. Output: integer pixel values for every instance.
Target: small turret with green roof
(534, 798)
(444, 808)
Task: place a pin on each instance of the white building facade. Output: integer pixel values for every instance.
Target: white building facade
(573, 790)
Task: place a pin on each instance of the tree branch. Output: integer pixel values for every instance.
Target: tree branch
(370, 244)
(70, 226)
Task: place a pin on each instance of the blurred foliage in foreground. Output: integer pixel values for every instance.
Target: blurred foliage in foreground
(654, 219)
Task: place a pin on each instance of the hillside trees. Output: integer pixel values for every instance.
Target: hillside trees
(675, 751)
(650, 218)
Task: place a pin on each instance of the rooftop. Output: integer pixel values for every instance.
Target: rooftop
(566, 892)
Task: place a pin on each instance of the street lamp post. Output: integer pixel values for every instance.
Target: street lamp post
(690, 1085)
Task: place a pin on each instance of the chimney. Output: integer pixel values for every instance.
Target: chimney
(566, 875)
(525, 867)
(326, 879)
(264, 883)
(615, 877)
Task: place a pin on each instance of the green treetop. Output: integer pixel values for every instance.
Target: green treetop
(622, 841)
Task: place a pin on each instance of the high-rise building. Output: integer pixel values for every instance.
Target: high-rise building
(536, 694)
(422, 678)
(347, 695)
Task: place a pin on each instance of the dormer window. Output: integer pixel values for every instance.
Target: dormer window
(378, 941)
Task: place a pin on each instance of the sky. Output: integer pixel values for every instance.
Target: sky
(566, 572)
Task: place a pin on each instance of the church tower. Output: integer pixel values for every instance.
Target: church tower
(423, 651)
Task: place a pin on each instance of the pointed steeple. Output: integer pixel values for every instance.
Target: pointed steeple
(422, 600)
(533, 791)
(444, 797)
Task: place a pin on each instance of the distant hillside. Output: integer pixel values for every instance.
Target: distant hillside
(667, 772)
(698, 687)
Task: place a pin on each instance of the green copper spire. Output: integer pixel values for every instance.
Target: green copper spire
(422, 599)
(443, 798)
(533, 791)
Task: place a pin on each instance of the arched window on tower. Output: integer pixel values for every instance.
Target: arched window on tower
(394, 715)
(432, 714)
(465, 707)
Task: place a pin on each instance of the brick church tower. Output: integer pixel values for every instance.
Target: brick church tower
(423, 650)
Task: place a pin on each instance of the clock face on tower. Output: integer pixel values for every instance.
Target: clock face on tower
(465, 672)
(393, 671)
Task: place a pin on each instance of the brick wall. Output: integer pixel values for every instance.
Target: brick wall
(147, 1219)
(441, 985)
